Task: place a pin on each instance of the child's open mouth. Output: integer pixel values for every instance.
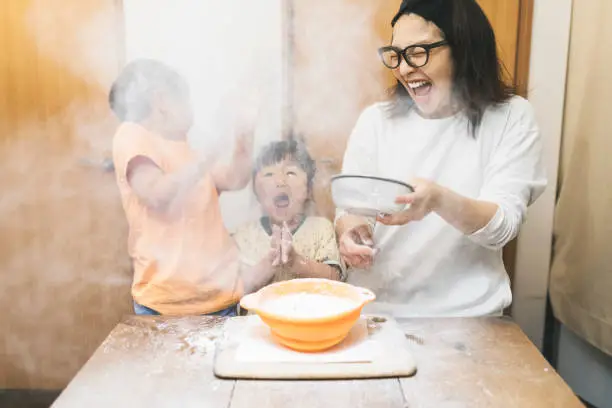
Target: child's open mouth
(281, 201)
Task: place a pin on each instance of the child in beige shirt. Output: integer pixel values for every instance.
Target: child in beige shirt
(285, 239)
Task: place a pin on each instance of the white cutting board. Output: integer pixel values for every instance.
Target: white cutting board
(375, 348)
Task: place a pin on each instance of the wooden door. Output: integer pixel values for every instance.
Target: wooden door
(504, 17)
(63, 263)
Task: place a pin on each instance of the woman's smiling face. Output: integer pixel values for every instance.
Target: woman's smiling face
(430, 86)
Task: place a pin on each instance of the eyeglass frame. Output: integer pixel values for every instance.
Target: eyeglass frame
(399, 51)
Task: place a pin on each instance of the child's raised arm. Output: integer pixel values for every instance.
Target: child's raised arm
(163, 191)
(237, 174)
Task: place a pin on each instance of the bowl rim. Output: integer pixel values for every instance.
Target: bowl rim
(388, 180)
(309, 320)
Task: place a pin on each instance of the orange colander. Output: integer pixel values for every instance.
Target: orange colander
(308, 314)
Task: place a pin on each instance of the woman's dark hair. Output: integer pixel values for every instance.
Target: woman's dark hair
(132, 92)
(292, 150)
(478, 72)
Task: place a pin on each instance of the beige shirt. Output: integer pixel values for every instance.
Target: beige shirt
(315, 239)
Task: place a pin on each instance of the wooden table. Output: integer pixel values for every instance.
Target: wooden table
(167, 362)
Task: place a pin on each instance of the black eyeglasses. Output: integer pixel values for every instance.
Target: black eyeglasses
(415, 55)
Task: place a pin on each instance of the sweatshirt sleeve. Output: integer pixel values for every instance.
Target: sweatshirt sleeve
(514, 177)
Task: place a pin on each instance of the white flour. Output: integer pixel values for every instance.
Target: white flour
(309, 305)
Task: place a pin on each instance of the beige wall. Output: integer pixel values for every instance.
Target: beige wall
(63, 265)
(581, 275)
(547, 79)
(224, 55)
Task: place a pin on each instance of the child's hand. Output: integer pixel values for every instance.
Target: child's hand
(281, 246)
(287, 252)
(245, 131)
(275, 246)
(244, 144)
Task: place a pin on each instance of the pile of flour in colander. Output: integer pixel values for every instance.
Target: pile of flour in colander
(308, 305)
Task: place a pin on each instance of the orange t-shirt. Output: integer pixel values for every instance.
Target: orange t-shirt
(184, 262)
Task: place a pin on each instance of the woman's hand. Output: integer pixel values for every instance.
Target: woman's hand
(425, 199)
(357, 246)
(465, 214)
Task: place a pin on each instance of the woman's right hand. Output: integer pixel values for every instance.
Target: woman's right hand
(357, 247)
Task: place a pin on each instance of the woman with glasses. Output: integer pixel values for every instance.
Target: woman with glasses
(470, 148)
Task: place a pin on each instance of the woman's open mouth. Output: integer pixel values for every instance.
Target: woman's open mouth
(420, 88)
(281, 201)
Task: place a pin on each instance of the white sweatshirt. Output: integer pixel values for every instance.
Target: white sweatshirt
(429, 268)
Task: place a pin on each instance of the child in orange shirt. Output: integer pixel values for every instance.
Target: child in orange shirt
(184, 260)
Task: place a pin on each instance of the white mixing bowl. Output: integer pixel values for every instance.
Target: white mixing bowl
(368, 195)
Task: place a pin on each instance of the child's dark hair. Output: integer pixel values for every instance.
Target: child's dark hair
(478, 72)
(132, 92)
(292, 150)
